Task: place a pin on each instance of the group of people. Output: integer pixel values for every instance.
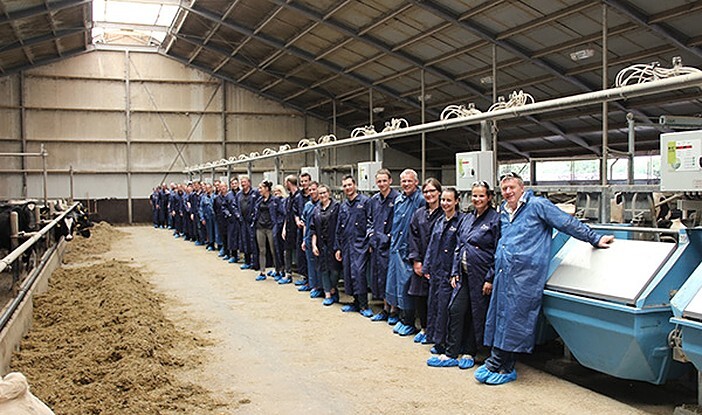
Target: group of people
(471, 280)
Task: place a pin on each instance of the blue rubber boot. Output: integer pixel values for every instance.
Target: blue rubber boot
(328, 301)
(366, 312)
(382, 316)
(419, 337)
(482, 373)
(466, 362)
(407, 331)
(260, 277)
(496, 378)
(442, 361)
(349, 308)
(393, 319)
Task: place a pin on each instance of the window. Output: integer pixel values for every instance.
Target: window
(126, 22)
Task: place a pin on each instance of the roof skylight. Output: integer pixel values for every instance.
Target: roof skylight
(132, 22)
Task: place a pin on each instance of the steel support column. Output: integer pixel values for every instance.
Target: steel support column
(23, 133)
(424, 135)
(128, 133)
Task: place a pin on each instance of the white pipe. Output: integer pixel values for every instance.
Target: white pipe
(588, 98)
(12, 256)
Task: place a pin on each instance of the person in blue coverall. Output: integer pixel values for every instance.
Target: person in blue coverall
(521, 266)
(246, 201)
(382, 207)
(419, 235)
(399, 266)
(313, 285)
(352, 246)
(289, 231)
(323, 239)
(265, 217)
(471, 279)
(163, 206)
(437, 267)
(233, 223)
(207, 216)
(298, 206)
(281, 194)
(222, 214)
(155, 205)
(177, 212)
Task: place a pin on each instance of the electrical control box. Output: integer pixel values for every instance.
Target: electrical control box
(472, 167)
(312, 171)
(681, 161)
(271, 177)
(366, 175)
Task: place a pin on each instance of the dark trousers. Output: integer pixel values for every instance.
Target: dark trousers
(361, 300)
(419, 309)
(500, 360)
(460, 338)
(290, 258)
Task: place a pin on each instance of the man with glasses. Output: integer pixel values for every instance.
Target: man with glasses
(521, 265)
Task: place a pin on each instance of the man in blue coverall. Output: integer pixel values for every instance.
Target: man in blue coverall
(521, 266)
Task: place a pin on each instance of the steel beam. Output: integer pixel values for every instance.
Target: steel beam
(668, 33)
(279, 78)
(301, 54)
(40, 62)
(43, 9)
(256, 91)
(42, 38)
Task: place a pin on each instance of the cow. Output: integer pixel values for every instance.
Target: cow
(26, 220)
(75, 221)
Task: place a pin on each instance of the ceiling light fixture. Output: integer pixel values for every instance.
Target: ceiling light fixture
(486, 80)
(582, 54)
(378, 110)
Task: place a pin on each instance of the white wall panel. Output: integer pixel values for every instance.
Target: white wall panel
(266, 129)
(147, 157)
(90, 157)
(56, 125)
(77, 94)
(9, 124)
(175, 97)
(10, 162)
(9, 90)
(155, 67)
(150, 126)
(241, 100)
(100, 65)
(10, 186)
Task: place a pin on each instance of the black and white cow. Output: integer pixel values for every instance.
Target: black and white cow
(26, 219)
(76, 221)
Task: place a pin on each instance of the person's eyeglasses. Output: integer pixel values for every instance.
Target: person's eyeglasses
(481, 183)
(510, 175)
(429, 191)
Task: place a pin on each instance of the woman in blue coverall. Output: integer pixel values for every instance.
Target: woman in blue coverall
(265, 217)
(471, 278)
(323, 234)
(437, 267)
(420, 232)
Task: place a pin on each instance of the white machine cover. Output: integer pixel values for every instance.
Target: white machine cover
(16, 399)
